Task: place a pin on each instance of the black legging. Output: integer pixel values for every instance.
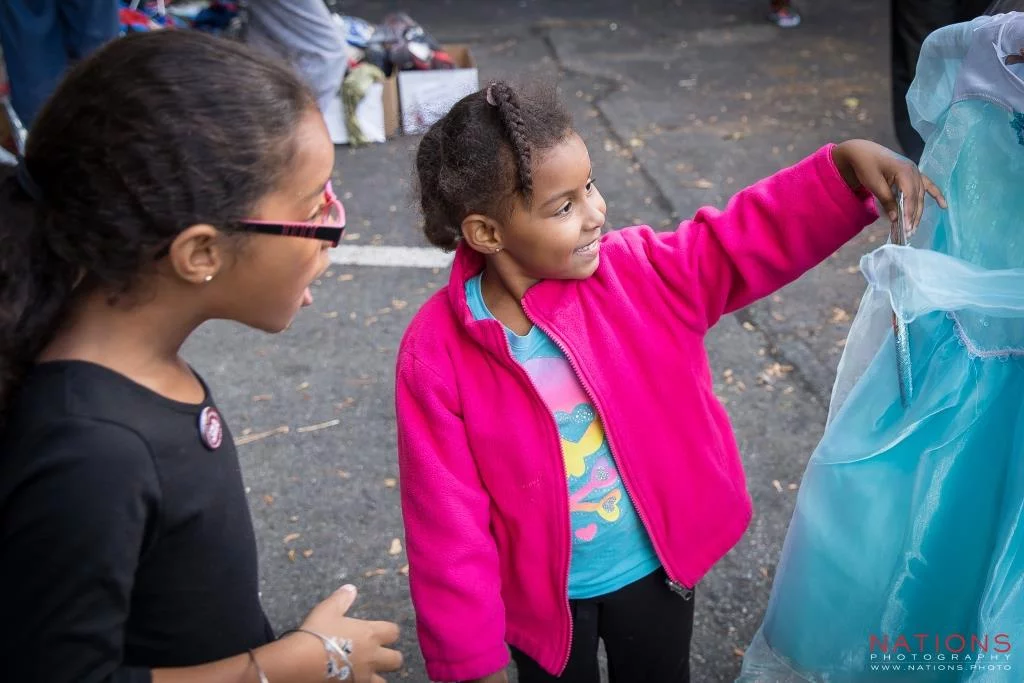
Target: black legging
(646, 629)
(912, 21)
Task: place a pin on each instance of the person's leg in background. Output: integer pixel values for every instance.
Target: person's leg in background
(912, 21)
(1001, 6)
(41, 38)
(88, 25)
(30, 33)
(304, 33)
(646, 628)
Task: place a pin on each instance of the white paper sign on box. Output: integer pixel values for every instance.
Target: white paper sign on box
(426, 96)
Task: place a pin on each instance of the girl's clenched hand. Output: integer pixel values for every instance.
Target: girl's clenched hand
(867, 165)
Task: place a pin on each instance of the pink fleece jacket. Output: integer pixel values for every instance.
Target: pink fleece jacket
(483, 483)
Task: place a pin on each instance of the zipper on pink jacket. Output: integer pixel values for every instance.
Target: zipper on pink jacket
(565, 472)
(676, 586)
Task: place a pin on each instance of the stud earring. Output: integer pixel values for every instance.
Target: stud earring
(208, 278)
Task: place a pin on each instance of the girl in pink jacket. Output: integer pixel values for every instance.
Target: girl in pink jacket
(568, 475)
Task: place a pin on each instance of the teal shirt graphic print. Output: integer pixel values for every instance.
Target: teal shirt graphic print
(610, 547)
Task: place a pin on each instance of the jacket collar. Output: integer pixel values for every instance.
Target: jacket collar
(546, 301)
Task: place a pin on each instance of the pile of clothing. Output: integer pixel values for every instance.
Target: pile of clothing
(399, 43)
(213, 16)
(375, 52)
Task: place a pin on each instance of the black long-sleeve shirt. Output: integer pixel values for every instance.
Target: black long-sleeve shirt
(126, 544)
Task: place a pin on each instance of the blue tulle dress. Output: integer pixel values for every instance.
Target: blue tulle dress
(910, 518)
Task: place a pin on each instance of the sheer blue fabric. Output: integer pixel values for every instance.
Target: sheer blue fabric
(908, 519)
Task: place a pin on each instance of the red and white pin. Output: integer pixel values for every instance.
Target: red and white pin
(211, 428)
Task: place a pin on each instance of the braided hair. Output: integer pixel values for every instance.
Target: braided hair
(480, 156)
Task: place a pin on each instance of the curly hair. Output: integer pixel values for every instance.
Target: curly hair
(150, 135)
(481, 154)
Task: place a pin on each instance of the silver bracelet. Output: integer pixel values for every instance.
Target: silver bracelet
(338, 650)
(259, 669)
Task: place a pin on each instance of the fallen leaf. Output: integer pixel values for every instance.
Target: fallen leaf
(379, 571)
(737, 651)
(344, 475)
(347, 403)
(398, 304)
(390, 483)
(851, 103)
(302, 387)
(291, 555)
(352, 237)
(292, 537)
(318, 427)
(764, 572)
(331, 315)
(308, 553)
(404, 570)
(293, 519)
(791, 487)
(262, 397)
(777, 369)
(839, 315)
(345, 277)
(396, 547)
(249, 438)
(777, 485)
(268, 499)
(748, 326)
(371, 320)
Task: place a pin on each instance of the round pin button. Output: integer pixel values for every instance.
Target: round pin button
(211, 428)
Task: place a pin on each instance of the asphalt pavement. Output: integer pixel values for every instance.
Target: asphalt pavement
(682, 103)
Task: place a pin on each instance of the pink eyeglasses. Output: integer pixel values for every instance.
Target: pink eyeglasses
(329, 226)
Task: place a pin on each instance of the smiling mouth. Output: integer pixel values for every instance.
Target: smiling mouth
(586, 249)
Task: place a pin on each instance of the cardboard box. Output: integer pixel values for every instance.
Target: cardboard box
(426, 96)
(377, 114)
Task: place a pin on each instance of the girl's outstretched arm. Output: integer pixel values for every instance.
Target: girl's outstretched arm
(775, 230)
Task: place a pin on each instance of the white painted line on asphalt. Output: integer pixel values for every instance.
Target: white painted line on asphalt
(390, 257)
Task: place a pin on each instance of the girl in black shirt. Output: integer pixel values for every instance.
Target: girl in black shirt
(173, 178)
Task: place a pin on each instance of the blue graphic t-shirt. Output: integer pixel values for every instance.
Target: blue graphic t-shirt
(610, 547)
